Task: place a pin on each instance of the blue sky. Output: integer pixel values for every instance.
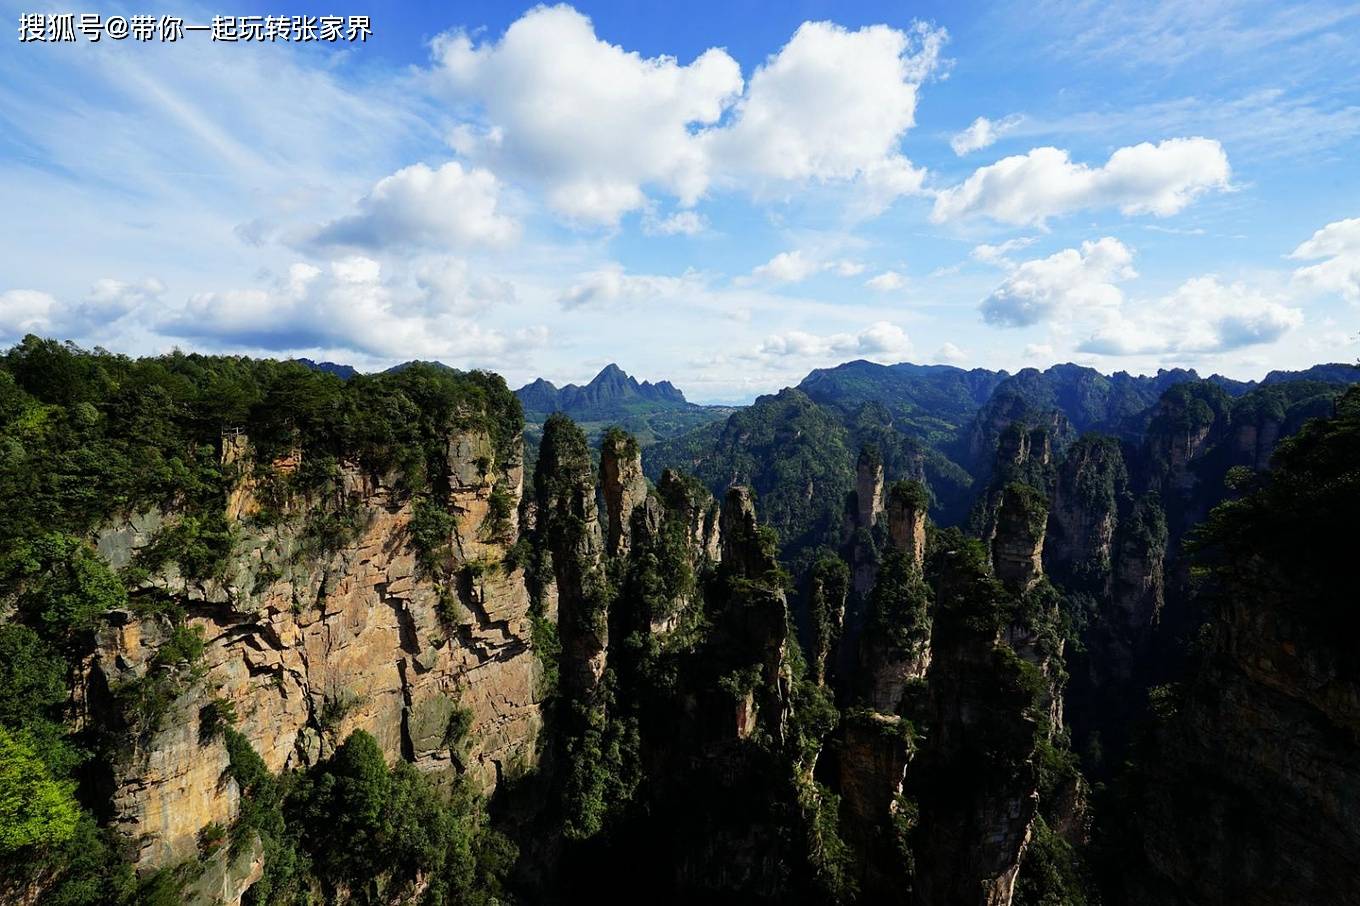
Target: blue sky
(725, 195)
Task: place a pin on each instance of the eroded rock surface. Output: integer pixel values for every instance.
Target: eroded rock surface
(307, 645)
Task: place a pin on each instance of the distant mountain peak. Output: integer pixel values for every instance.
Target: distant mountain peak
(344, 372)
(611, 388)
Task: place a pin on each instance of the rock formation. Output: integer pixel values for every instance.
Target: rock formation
(868, 488)
(907, 506)
(307, 642)
(569, 523)
(1252, 775)
(623, 487)
(1092, 482)
(1018, 544)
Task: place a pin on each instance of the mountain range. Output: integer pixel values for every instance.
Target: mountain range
(940, 636)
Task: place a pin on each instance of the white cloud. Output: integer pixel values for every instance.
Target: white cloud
(447, 285)
(1201, 316)
(24, 311)
(883, 338)
(880, 341)
(1061, 285)
(950, 354)
(108, 302)
(448, 207)
(787, 267)
(611, 285)
(598, 126)
(1338, 246)
(349, 306)
(594, 122)
(886, 282)
(798, 265)
(1141, 179)
(681, 223)
(833, 104)
(981, 134)
(998, 254)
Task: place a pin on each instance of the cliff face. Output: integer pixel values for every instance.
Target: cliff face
(623, 487)
(1251, 782)
(307, 642)
(1263, 767)
(1092, 480)
(570, 526)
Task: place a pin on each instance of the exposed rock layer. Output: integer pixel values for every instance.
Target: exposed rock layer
(307, 645)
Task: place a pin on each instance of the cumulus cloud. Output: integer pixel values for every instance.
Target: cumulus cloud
(886, 282)
(1201, 316)
(797, 265)
(416, 206)
(787, 267)
(24, 311)
(108, 302)
(1061, 285)
(593, 121)
(1038, 350)
(950, 354)
(981, 133)
(1159, 179)
(999, 254)
(598, 125)
(449, 286)
(348, 305)
(681, 223)
(612, 285)
(1337, 249)
(833, 104)
(881, 340)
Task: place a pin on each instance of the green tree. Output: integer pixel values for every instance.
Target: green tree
(64, 586)
(35, 808)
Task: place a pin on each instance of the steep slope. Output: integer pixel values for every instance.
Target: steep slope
(1249, 785)
(794, 454)
(326, 586)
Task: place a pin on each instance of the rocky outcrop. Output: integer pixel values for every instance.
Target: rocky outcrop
(623, 487)
(1262, 767)
(907, 506)
(227, 875)
(1079, 550)
(876, 741)
(691, 502)
(757, 620)
(827, 589)
(975, 780)
(1018, 545)
(895, 649)
(745, 551)
(308, 640)
(868, 488)
(1251, 781)
(569, 524)
(873, 753)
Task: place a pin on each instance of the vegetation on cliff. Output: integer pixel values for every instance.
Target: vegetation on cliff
(87, 438)
(692, 749)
